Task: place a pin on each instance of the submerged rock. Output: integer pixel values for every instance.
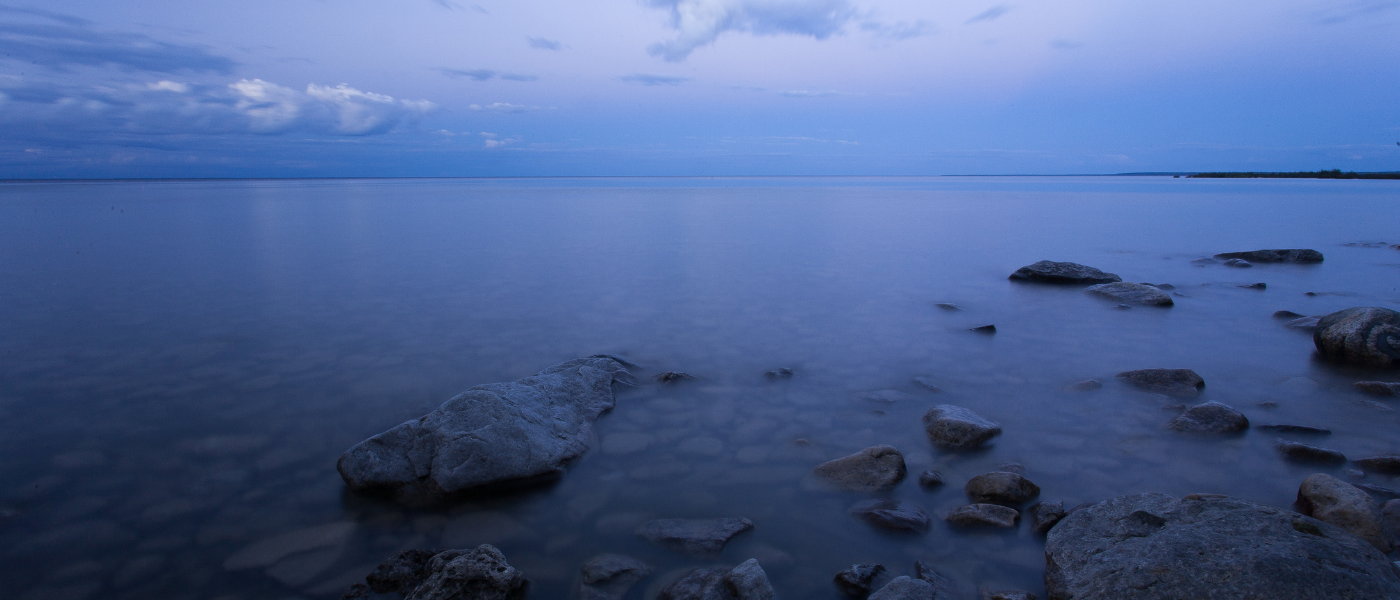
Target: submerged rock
(931, 478)
(984, 329)
(674, 377)
(1303, 323)
(610, 576)
(491, 434)
(1088, 385)
(1334, 501)
(1378, 388)
(1255, 286)
(1388, 464)
(1287, 315)
(957, 428)
(1305, 453)
(1237, 263)
(1301, 256)
(983, 515)
(1181, 383)
(1047, 271)
(859, 579)
(1001, 487)
(1157, 547)
(1211, 417)
(948, 306)
(1046, 514)
(889, 514)
(904, 588)
(1301, 429)
(873, 469)
(779, 374)
(1135, 293)
(1361, 336)
(694, 536)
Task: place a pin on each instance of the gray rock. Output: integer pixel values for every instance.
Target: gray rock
(402, 573)
(859, 579)
(1007, 595)
(1209, 418)
(700, 584)
(873, 469)
(1181, 383)
(1255, 286)
(1310, 454)
(984, 329)
(1237, 263)
(1303, 323)
(491, 434)
(983, 515)
(1047, 271)
(610, 576)
(1378, 388)
(957, 428)
(1388, 464)
(1286, 315)
(694, 536)
(1383, 493)
(1201, 262)
(948, 306)
(1157, 547)
(1046, 514)
(943, 588)
(748, 582)
(1361, 336)
(1088, 385)
(1166, 287)
(779, 374)
(928, 384)
(1134, 293)
(1298, 429)
(479, 574)
(904, 588)
(931, 478)
(889, 514)
(357, 591)
(1301, 256)
(1339, 503)
(674, 377)
(1001, 487)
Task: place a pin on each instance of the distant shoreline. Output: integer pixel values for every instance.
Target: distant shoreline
(1333, 174)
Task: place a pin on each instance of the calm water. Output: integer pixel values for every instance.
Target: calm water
(184, 361)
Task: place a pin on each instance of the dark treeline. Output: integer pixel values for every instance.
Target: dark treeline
(1332, 174)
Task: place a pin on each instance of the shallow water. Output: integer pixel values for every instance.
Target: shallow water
(183, 362)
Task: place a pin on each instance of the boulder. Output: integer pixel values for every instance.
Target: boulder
(1157, 547)
(1388, 464)
(904, 588)
(402, 573)
(1297, 452)
(748, 582)
(957, 428)
(1181, 383)
(491, 434)
(1339, 503)
(1134, 293)
(873, 469)
(1300, 256)
(1001, 487)
(701, 584)
(1209, 418)
(1046, 514)
(1378, 388)
(1360, 336)
(931, 478)
(694, 536)
(983, 515)
(610, 576)
(858, 580)
(480, 574)
(889, 514)
(1047, 271)
(943, 588)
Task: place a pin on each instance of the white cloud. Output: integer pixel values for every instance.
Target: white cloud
(493, 143)
(168, 86)
(699, 22)
(269, 107)
(359, 113)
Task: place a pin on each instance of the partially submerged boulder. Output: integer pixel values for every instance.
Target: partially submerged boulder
(1334, 501)
(956, 428)
(983, 515)
(1378, 388)
(1297, 452)
(1047, 271)
(491, 434)
(1388, 464)
(478, 574)
(1157, 547)
(1181, 383)
(873, 469)
(1046, 514)
(892, 515)
(1001, 487)
(1300, 256)
(1209, 418)
(609, 576)
(859, 579)
(1368, 336)
(904, 588)
(694, 536)
(1135, 293)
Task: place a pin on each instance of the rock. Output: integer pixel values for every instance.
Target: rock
(1201, 262)
(957, 428)
(1007, 595)
(700, 584)
(888, 514)
(1135, 293)
(1047, 271)
(1303, 323)
(491, 434)
(931, 478)
(777, 374)
(674, 377)
(1299, 429)
(748, 582)
(984, 329)
(694, 536)
(873, 469)
(1388, 464)
(1122, 307)
(1378, 388)
(1156, 547)
(983, 515)
(904, 588)
(1237, 263)
(1305, 453)
(948, 306)
(1300, 256)
(943, 588)
(480, 574)
(357, 591)
(1088, 385)
(1001, 487)
(1255, 286)
(1046, 514)
(1361, 336)
(402, 573)
(1377, 491)
(610, 576)
(928, 384)
(885, 396)
(1286, 315)
(1339, 503)
(1210, 418)
(1166, 287)
(859, 579)
(1181, 383)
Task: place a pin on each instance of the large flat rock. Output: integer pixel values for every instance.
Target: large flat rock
(1159, 547)
(1049, 271)
(1295, 255)
(491, 434)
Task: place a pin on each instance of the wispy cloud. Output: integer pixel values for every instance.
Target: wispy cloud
(699, 22)
(544, 44)
(486, 75)
(645, 79)
(60, 41)
(990, 14)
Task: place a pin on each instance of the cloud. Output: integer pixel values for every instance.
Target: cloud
(60, 41)
(645, 79)
(505, 107)
(990, 14)
(544, 44)
(491, 142)
(486, 74)
(899, 30)
(699, 22)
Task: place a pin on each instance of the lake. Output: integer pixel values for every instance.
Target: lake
(184, 361)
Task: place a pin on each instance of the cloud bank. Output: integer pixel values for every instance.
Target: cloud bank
(60, 41)
(699, 22)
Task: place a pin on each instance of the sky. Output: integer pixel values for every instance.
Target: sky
(368, 88)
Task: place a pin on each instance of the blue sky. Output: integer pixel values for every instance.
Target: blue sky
(164, 88)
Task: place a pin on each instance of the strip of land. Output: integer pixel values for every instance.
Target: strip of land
(1332, 174)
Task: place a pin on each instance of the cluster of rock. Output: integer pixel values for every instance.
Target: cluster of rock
(478, 574)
